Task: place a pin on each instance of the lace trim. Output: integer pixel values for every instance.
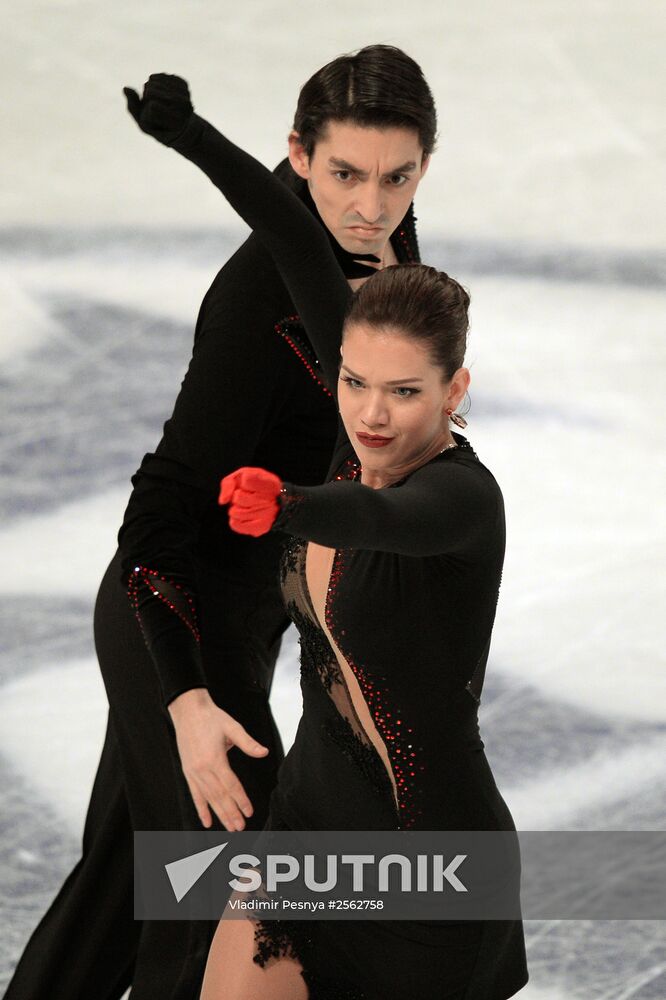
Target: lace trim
(289, 557)
(317, 657)
(277, 939)
(361, 753)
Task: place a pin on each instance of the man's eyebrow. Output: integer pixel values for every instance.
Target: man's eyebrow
(397, 381)
(404, 168)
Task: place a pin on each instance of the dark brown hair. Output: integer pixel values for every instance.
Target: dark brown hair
(379, 86)
(420, 303)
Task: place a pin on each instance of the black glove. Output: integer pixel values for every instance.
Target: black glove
(165, 109)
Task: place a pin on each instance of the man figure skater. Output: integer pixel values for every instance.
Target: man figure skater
(188, 657)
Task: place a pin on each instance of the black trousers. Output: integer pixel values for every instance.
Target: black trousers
(88, 945)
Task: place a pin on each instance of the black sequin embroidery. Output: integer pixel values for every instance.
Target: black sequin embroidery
(360, 752)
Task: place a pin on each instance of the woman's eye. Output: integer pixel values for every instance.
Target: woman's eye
(404, 391)
(353, 383)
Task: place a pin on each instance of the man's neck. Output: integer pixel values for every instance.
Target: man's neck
(387, 256)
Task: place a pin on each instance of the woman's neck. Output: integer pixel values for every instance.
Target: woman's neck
(376, 479)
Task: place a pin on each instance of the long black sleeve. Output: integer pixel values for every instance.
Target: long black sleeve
(296, 241)
(241, 383)
(449, 505)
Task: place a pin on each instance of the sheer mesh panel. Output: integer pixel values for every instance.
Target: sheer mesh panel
(320, 665)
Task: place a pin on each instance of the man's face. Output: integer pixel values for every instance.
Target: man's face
(362, 181)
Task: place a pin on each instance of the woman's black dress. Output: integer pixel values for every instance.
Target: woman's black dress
(410, 605)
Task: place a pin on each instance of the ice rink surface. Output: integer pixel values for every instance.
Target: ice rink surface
(545, 198)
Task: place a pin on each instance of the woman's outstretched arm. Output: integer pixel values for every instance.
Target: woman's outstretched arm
(294, 238)
(446, 506)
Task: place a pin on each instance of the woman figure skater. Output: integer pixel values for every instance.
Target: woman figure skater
(391, 575)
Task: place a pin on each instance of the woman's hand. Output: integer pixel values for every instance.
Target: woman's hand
(252, 495)
(205, 734)
(164, 109)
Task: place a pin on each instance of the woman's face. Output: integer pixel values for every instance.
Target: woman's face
(393, 402)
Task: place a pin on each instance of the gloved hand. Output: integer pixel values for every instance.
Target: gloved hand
(252, 497)
(165, 108)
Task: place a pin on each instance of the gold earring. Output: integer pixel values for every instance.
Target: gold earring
(456, 419)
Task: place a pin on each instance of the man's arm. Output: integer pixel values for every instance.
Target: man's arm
(240, 375)
(239, 378)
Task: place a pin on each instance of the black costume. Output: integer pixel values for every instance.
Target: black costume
(252, 395)
(410, 605)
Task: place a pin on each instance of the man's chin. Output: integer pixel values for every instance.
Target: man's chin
(357, 244)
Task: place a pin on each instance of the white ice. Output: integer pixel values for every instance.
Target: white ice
(163, 287)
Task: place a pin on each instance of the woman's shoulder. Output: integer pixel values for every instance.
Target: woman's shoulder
(459, 468)
(463, 456)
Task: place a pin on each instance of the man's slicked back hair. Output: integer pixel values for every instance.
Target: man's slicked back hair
(379, 86)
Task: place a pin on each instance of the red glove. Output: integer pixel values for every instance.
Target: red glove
(252, 497)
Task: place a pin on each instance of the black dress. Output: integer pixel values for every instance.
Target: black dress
(410, 605)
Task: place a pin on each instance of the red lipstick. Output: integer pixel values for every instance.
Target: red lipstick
(373, 440)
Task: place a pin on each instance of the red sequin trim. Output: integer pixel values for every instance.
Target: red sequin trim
(144, 575)
(350, 469)
(390, 722)
(304, 352)
(406, 245)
